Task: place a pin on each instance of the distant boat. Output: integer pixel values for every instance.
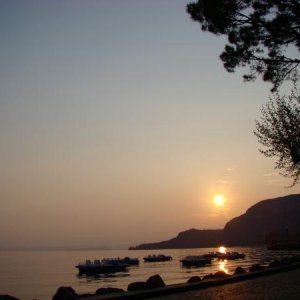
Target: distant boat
(230, 255)
(195, 261)
(126, 261)
(157, 258)
(211, 255)
(98, 267)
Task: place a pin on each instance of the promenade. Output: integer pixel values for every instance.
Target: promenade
(277, 283)
(279, 286)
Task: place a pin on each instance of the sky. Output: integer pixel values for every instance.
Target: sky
(119, 124)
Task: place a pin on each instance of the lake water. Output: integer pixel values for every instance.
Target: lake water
(37, 274)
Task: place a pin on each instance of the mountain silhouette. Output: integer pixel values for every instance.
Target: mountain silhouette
(267, 222)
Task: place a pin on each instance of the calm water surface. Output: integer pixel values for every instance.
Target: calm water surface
(37, 274)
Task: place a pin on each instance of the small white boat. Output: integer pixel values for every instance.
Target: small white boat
(195, 261)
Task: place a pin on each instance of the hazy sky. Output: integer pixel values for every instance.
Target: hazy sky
(118, 124)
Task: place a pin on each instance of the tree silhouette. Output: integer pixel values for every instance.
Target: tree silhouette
(260, 33)
(279, 131)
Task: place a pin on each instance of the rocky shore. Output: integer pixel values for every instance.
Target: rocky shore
(154, 286)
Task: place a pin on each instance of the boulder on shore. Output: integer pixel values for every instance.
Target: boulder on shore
(137, 286)
(276, 263)
(155, 282)
(65, 293)
(239, 270)
(8, 297)
(108, 290)
(256, 268)
(194, 279)
(208, 276)
(221, 274)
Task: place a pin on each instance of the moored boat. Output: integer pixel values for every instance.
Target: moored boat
(211, 255)
(157, 258)
(230, 255)
(98, 267)
(195, 261)
(126, 261)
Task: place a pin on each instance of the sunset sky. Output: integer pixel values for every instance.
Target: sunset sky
(119, 125)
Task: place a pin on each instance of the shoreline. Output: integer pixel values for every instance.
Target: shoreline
(138, 288)
(188, 287)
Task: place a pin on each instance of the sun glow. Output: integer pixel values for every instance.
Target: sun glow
(219, 200)
(222, 249)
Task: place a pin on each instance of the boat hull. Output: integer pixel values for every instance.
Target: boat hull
(157, 258)
(195, 263)
(123, 261)
(101, 269)
(231, 256)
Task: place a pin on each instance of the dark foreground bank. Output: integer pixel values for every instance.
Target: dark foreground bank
(277, 286)
(271, 283)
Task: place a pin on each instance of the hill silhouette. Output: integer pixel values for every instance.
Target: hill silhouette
(269, 221)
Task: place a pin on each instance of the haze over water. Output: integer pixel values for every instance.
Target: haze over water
(119, 125)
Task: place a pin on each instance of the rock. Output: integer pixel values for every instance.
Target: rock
(8, 297)
(275, 264)
(256, 268)
(84, 295)
(155, 282)
(208, 276)
(194, 279)
(239, 270)
(294, 259)
(137, 286)
(65, 293)
(109, 290)
(220, 274)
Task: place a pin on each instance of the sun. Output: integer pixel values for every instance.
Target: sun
(219, 200)
(222, 249)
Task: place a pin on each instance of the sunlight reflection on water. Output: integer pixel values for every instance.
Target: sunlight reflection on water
(222, 266)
